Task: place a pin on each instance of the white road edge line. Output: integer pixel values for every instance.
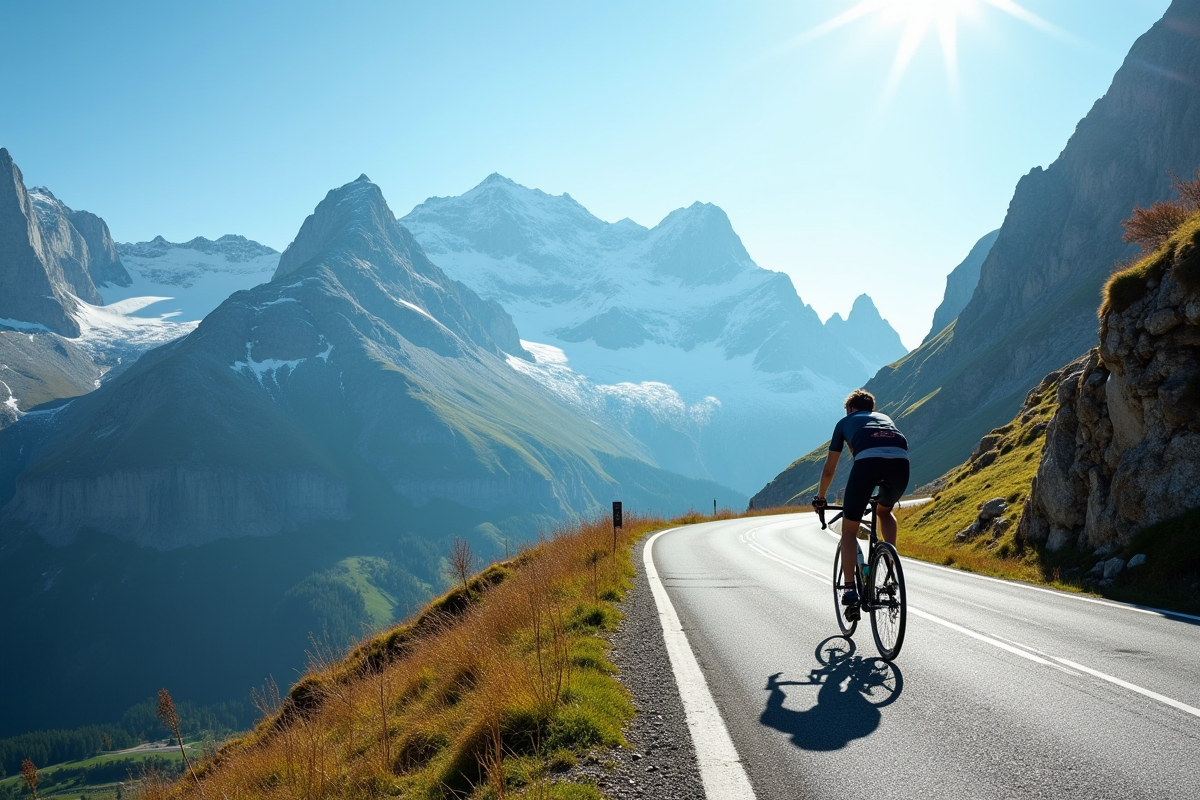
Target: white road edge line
(1133, 687)
(720, 767)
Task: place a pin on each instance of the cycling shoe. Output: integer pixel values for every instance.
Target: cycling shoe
(850, 598)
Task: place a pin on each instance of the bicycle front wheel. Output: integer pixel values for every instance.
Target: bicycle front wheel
(888, 601)
(847, 626)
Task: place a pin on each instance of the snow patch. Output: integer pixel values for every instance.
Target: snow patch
(270, 366)
(24, 327)
(11, 402)
(625, 398)
(115, 331)
(276, 302)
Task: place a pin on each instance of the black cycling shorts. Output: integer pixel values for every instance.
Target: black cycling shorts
(889, 474)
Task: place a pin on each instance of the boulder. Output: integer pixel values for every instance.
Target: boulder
(1136, 561)
(992, 509)
(1113, 567)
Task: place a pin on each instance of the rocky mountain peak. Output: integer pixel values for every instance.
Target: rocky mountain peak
(863, 308)
(866, 334)
(351, 218)
(960, 284)
(698, 246)
(353, 234)
(81, 243)
(33, 289)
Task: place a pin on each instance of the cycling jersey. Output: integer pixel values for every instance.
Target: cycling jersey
(870, 434)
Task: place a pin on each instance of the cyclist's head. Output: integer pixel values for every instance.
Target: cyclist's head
(860, 400)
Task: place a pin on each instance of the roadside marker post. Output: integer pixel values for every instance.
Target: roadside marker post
(616, 523)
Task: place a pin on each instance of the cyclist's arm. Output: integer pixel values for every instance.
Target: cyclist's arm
(828, 471)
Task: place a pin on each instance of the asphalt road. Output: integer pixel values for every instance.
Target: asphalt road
(1002, 690)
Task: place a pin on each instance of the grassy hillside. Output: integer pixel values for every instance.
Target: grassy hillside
(1002, 466)
(494, 689)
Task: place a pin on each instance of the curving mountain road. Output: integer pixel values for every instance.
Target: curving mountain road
(1003, 690)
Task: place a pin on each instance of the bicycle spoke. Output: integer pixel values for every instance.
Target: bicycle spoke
(888, 613)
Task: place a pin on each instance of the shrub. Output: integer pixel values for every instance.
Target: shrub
(1151, 227)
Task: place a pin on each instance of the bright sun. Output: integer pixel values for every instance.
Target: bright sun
(916, 18)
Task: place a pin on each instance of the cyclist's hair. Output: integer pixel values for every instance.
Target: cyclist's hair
(860, 400)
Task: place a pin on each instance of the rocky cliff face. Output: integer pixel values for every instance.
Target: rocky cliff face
(1033, 308)
(34, 289)
(1123, 450)
(82, 245)
(960, 285)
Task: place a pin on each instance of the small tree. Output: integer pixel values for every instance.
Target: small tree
(29, 773)
(166, 712)
(462, 562)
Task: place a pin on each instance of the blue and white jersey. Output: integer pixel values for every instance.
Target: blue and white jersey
(870, 434)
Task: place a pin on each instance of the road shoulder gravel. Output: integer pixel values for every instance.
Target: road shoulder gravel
(660, 761)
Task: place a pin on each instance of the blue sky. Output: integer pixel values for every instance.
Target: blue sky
(186, 119)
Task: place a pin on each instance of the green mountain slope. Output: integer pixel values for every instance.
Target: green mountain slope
(191, 521)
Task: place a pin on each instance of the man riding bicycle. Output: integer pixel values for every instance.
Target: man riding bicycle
(880, 455)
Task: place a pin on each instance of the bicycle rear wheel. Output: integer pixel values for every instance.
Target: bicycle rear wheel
(847, 626)
(888, 601)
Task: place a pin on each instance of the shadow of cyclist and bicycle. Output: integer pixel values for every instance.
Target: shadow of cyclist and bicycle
(851, 690)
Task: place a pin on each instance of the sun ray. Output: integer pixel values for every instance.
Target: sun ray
(948, 34)
(910, 42)
(1016, 10)
(857, 12)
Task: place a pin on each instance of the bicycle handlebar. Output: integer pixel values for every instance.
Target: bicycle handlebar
(821, 514)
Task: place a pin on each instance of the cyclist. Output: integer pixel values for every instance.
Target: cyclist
(880, 455)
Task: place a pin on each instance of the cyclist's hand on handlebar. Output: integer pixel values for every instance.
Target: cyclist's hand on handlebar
(819, 502)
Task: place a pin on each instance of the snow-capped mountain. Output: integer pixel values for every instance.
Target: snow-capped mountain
(359, 357)
(190, 279)
(70, 311)
(716, 363)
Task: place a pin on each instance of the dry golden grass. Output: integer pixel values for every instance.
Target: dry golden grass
(492, 691)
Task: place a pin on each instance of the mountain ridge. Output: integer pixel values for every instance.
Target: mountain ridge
(679, 309)
(1034, 306)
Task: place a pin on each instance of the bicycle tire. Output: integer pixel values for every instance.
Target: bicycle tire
(888, 601)
(847, 627)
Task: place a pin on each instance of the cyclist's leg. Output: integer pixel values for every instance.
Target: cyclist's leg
(859, 486)
(887, 524)
(849, 547)
(892, 486)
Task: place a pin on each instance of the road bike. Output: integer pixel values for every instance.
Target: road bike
(879, 581)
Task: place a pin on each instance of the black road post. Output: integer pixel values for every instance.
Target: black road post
(616, 523)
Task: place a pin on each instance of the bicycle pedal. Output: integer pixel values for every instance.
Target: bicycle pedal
(852, 614)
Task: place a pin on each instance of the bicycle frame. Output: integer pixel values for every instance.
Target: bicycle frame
(868, 522)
